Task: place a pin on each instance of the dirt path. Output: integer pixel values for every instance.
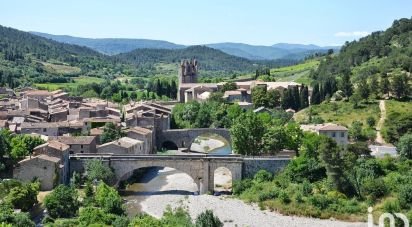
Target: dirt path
(379, 138)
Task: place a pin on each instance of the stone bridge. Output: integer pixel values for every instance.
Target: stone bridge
(183, 138)
(200, 168)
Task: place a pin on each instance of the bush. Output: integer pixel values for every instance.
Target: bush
(262, 176)
(108, 199)
(92, 215)
(284, 197)
(208, 219)
(272, 194)
(240, 186)
(391, 206)
(320, 201)
(405, 196)
(62, 202)
(371, 121)
(374, 188)
(306, 188)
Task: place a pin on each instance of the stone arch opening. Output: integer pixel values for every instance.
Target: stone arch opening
(157, 180)
(222, 178)
(169, 145)
(211, 143)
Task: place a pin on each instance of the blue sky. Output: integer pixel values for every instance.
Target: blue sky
(322, 22)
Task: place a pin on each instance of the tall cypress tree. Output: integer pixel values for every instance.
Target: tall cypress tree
(296, 98)
(304, 95)
(347, 86)
(315, 98)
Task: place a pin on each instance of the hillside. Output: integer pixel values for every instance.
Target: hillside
(26, 58)
(210, 59)
(380, 63)
(111, 46)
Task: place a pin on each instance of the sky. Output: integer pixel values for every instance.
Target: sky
(257, 22)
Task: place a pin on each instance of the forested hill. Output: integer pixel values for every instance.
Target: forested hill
(26, 58)
(376, 63)
(210, 59)
(111, 46)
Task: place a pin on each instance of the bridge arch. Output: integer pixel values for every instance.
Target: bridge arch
(183, 138)
(222, 142)
(188, 185)
(223, 180)
(124, 168)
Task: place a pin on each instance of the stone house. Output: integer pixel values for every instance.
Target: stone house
(142, 134)
(337, 132)
(48, 169)
(123, 145)
(79, 144)
(240, 94)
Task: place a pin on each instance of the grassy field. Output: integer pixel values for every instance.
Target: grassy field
(399, 107)
(298, 73)
(60, 68)
(341, 112)
(76, 82)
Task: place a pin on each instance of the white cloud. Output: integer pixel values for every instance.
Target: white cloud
(352, 34)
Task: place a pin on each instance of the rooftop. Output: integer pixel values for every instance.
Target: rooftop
(75, 139)
(125, 142)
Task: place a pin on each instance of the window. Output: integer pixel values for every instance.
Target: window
(333, 134)
(342, 134)
(45, 129)
(81, 146)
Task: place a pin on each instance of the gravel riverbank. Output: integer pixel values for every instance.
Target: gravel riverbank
(232, 212)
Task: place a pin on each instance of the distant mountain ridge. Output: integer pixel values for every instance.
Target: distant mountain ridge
(113, 46)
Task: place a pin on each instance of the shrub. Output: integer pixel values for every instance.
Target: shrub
(92, 215)
(374, 188)
(306, 188)
(284, 197)
(240, 186)
(405, 196)
(391, 206)
(272, 194)
(108, 199)
(62, 202)
(262, 176)
(371, 121)
(208, 219)
(320, 201)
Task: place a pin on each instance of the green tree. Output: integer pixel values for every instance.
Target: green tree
(62, 202)
(274, 140)
(96, 170)
(247, 134)
(347, 86)
(400, 85)
(315, 98)
(374, 85)
(371, 121)
(330, 154)
(404, 146)
(355, 99)
(355, 131)
(229, 86)
(108, 199)
(363, 89)
(259, 97)
(385, 85)
(304, 97)
(273, 98)
(111, 132)
(23, 145)
(208, 219)
(92, 215)
(24, 197)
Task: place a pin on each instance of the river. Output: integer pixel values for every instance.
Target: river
(167, 181)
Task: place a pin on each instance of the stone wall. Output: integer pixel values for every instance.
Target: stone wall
(252, 165)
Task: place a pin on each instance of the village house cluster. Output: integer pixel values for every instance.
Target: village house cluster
(74, 125)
